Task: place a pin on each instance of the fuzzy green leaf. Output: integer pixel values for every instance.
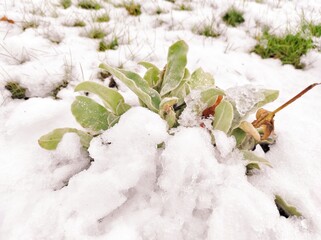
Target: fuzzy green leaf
(223, 116)
(201, 79)
(112, 99)
(51, 140)
(286, 208)
(138, 85)
(175, 68)
(89, 114)
(152, 75)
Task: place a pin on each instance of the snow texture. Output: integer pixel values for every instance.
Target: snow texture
(139, 181)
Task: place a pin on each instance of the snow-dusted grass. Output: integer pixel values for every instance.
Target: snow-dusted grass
(126, 187)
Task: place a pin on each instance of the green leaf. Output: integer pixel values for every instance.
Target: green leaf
(183, 89)
(152, 75)
(253, 158)
(223, 116)
(112, 99)
(89, 114)
(243, 140)
(175, 68)
(269, 96)
(209, 96)
(51, 140)
(148, 65)
(166, 110)
(287, 209)
(201, 80)
(138, 85)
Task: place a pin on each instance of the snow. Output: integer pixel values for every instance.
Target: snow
(138, 180)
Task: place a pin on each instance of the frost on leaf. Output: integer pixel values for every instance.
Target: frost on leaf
(245, 97)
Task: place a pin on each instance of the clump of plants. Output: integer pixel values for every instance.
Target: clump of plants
(16, 90)
(288, 48)
(103, 18)
(166, 91)
(96, 33)
(133, 9)
(79, 23)
(65, 3)
(104, 46)
(207, 30)
(314, 29)
(233, 17)
(89, 4)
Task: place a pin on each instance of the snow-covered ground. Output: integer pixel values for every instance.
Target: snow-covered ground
(131, 189)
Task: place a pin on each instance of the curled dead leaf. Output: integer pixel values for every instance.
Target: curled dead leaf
(5, 19)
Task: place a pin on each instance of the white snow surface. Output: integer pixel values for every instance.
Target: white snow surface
(126, 186)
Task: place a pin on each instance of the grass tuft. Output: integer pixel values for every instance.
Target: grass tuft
(79, 23)
(103, 18)
(29, 24)
(207, 30)
(104, 46)
(89, 4)
(133, 9)
(314, 30)
(65, 3)
(233, 17)
(96, 33)
(288, 48)
(17, 92)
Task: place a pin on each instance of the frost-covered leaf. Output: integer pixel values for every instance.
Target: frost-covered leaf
(138, 85)
(285, 208)
(51, 140)
(251, 157)
(175, 68)
(89, 114)
(269, 96)
(250, 129)
(201, 79)
(223, 116)
(112, 99)
(166, 110)
(152, 75)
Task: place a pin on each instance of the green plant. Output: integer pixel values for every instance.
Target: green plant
(29, 24)
(104, 46)
(207, 30)
(184, 7)
(79, 23)
(89, 4)
(314, 29)
(133, 8)
(65, 3)
(103, 18)
(288, 48)
(96, 33)
(233, 17)
(16, 90)
(164, 92)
